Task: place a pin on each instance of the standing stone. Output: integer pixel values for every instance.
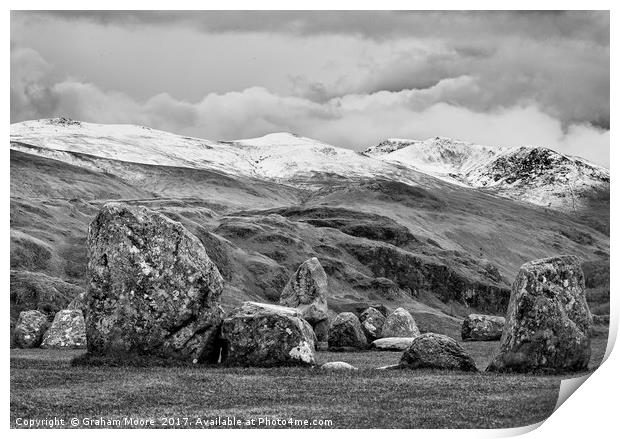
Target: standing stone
(548, 322)
(437, 351)
(346, 331)
(153, 289)
(306, 290)
(480, 327)
(264, 335)
(399, 324)
(67, 331)
(29, 330)
(372, 323)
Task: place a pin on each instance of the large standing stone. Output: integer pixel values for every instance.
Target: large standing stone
(265, 335)
(67, 331)
(29, 330)
(346, 331)
(372, 323)
(153, 289)
(307, 291)
(437, 351)
(548, 321)
(480, 327)
(399, 324)
(392, 343)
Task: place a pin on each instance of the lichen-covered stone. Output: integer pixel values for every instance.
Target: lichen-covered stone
(67, 331)
(29, 330)
(437, 351)
(480, 327)
(372, 323)
(306, 290)
(346, 331)
(264, 335)
(153, 289)
(400, 324)
(392, 343)
(548, 322)
(337, 366)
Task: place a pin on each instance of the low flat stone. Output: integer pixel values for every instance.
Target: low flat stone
(437, 351)
(480, 327)
(336, 366)
(266, 335)
(392, 343)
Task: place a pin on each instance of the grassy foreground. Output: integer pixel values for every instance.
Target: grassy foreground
(44, 386)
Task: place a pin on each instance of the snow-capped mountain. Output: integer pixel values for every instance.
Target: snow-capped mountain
(282, 157)
(534, 174)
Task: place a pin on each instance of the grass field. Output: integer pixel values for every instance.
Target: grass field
(45, 385)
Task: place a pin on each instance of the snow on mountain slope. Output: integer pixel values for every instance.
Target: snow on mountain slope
(282, 157)
(534, 174)
(542, 176)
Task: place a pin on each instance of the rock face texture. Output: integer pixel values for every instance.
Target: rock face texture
(346, 332)
(392, 343)
(264, 335)
(481, 327)
(30, 328)
(335, 366)
(307, 291)
(437, 351)
(67, 331)
(372, 323)
(153, 289)
(548, 322)
(400, 324)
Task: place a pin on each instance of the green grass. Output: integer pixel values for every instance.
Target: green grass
(43, 384)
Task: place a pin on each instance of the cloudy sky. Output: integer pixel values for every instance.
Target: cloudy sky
(347, 78)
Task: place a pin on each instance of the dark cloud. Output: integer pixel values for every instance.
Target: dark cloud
(582, 25)
(349, 78)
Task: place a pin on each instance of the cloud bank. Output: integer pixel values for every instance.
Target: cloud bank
(350, 79)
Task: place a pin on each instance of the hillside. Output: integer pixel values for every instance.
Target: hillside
(385, 233)
(536, 175)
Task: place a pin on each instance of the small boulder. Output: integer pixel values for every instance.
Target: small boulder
(480, 327)
(68, 331)
(399, 324)
(337, 366)
(29, 330)
(265, 335)
(306, 290)
(548, 323)
(372, 323)
(153, 290)
(346, 332)
(437, 351)
(392, 343)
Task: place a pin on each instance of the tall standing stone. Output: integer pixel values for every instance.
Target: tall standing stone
(548, 321)
(306, 290)
(153, 289)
